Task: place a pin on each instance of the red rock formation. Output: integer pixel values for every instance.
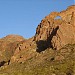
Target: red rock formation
(57, 32)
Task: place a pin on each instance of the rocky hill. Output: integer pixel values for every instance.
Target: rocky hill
(51, 51)
(57, 29)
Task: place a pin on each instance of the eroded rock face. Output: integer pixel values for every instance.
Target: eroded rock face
(25, 50)
(15, 48)
(57, 32)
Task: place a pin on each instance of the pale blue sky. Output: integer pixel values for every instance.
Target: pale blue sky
(23, 16)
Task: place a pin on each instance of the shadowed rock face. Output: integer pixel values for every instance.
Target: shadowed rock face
(57, 32)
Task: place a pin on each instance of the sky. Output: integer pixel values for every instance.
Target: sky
(21, 17)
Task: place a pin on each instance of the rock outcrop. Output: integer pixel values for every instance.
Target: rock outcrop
(8, 46)
(57, 29)
(25, 50)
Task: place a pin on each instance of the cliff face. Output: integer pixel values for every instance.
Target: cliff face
(57, 29)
